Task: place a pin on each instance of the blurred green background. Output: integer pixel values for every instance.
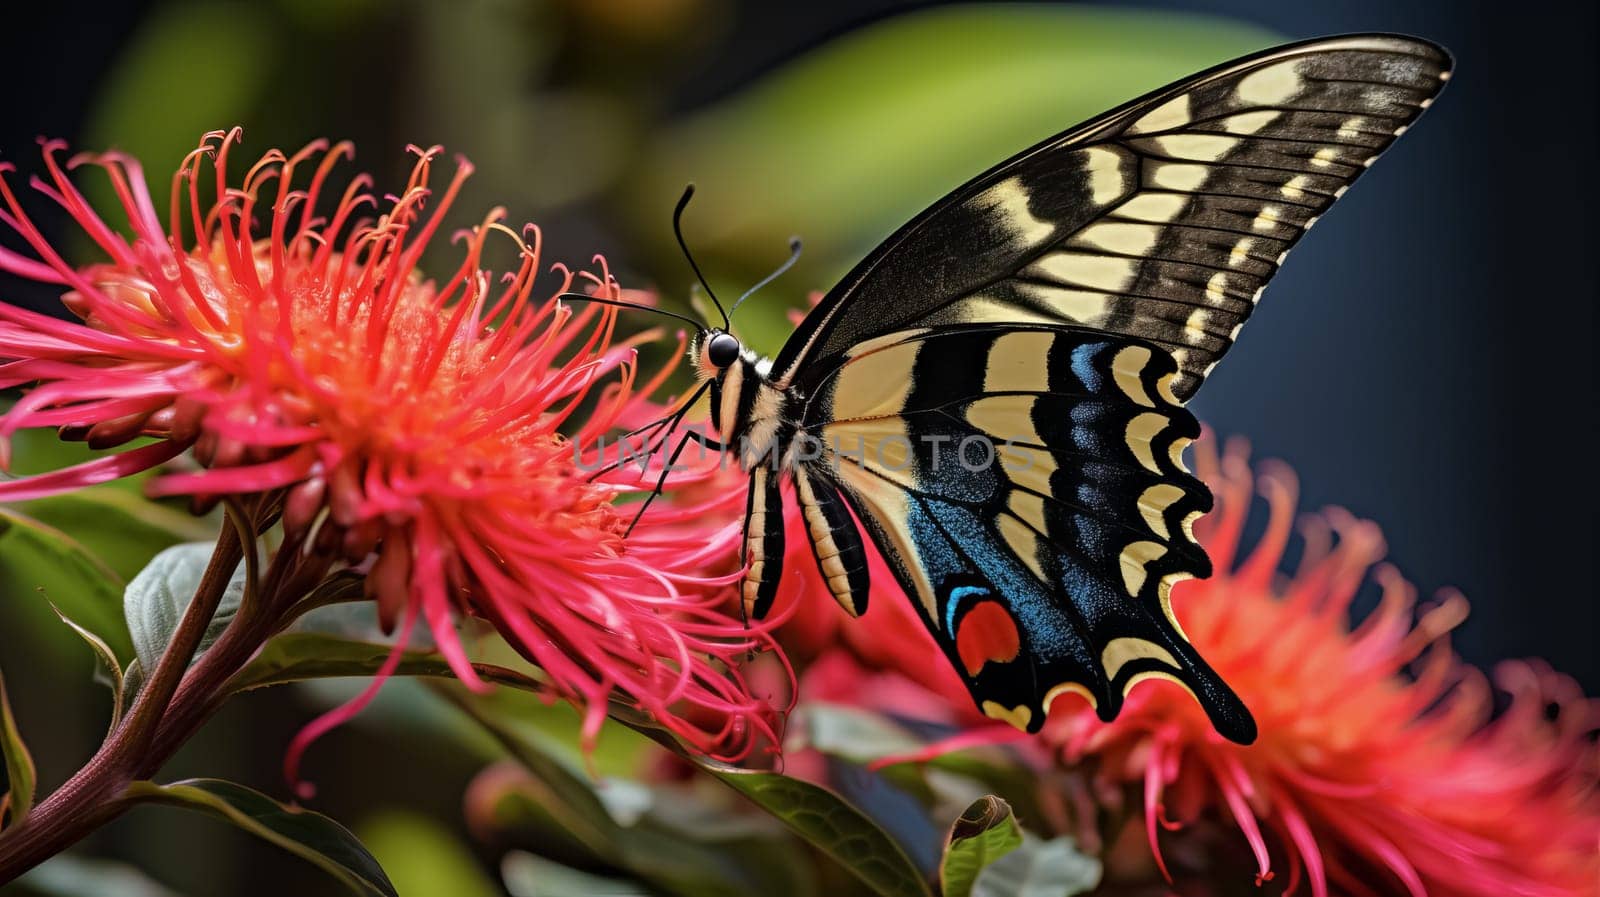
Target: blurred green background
(1393, 379)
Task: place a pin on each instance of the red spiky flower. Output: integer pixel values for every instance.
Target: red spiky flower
(446, 434)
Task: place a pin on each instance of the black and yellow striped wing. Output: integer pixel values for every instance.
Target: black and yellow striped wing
(1025, 484)
(1161, 220)
(1062, 308)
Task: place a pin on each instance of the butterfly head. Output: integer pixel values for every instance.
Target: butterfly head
(715, 351)
(718, 350)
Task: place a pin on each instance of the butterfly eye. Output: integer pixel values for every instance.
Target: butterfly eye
(722, 350)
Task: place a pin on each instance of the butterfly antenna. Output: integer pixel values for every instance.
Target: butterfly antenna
(677, 231)
(621, 303)
(794, 256)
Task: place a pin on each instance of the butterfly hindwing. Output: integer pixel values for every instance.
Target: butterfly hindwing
(1026, 487)
(1160, 221)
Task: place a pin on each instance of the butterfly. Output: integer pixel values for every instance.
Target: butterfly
(994, 398)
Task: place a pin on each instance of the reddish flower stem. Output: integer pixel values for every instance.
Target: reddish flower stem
(93, 795)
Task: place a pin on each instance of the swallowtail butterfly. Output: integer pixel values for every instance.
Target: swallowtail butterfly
(1060, 308)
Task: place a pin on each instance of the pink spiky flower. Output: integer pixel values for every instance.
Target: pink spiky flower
(447, 435)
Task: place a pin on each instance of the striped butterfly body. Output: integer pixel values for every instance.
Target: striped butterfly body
(994, 398)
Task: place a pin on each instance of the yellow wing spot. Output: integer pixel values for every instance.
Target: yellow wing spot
(1023, 542)
(875, 384)
(1141, 431)
(1267, 219)
(1175, 453)
(1027, 468)
(1272, 85)
(1017, 362)
(1006, 417)
(1187, 524)
(1137, 678)
(1173, 176)
(1007, 202)
(1249, 122)
(1171, 114)
(1018, 716)
(1195, 327)
(1164, 388)
(1325, 157)
(1164, 595)
(1133, 561)
(1126, 368)
(1241, 252)
(1199, 147)
(1217, 287)
(986, 308)
(889, 506)
(1073, 688)
(1351, 127)
(1078, 305)
(1106, 180)
(1157, 208)
(1119, 652)
(1296, 188)
(1153, 505)
(1129, 239)
(881, 443)
(1083, 269)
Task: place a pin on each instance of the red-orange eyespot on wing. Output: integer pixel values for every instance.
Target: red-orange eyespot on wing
(986, 633)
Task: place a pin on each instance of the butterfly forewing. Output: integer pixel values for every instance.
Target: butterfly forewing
(1161, 220)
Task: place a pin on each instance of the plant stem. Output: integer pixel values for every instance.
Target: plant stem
(93, 795)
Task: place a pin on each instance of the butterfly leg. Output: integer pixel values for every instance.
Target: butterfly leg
(666, 469)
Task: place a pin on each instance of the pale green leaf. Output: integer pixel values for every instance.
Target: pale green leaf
(156, 599)
(108, 663)
(983, 834)
(34, 555)
(311, 836)
(21, 777)
(1038, 868)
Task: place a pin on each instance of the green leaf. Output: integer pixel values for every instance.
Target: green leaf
(157, 598)
(1039, 868)
(311, 836)
(664, 837)
(35, 555)
(119, 526)
(21, 777)
(526, 875)
(983, 834)
(833, 825)
(108, 663)
(300, 656)
(825, 819)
